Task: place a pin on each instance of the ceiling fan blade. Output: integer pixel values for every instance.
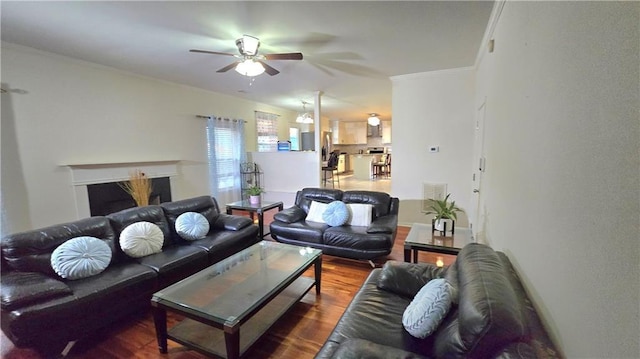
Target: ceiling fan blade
(268, 69)
(286, 56)
(229, 67)
(212, 52)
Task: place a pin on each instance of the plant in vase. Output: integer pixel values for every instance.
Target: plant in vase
(254, 193)
(444, 210)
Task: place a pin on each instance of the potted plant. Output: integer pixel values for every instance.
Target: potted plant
(444, 210)
(254, 193)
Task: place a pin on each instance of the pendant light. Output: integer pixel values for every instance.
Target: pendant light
(373, 119)
(304, 117)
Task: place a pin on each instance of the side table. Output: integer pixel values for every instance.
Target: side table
(420, 238)
(257, 209)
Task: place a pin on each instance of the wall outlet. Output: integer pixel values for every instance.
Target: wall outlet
(433, 149)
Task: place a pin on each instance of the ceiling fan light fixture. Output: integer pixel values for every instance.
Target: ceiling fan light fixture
(373, 119)
(248, 45)
(249, 68)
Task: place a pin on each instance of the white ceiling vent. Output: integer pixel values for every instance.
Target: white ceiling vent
(432, 191)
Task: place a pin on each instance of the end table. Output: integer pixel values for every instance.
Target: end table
(257, 209)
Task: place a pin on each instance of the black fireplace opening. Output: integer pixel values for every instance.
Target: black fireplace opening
(106, 198)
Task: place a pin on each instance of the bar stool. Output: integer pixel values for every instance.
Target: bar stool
(383, 166)
(331, 167)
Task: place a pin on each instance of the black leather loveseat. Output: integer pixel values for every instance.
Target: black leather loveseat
(356, 242)
(491, 315)
(43, 311)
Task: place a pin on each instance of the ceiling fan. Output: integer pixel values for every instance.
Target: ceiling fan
(250, 63)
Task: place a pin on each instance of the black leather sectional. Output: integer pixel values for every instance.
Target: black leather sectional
(491, 317)
(376, 240)
(41, 310)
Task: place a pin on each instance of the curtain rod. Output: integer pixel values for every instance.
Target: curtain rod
(218, 118)
(269, 113)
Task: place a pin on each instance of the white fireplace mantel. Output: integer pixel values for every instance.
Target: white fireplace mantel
(92, 173)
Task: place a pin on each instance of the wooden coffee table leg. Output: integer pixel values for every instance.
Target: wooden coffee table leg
(160, 320)
(318, 272)
(232, 341)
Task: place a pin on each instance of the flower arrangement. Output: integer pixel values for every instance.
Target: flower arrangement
(138, 187)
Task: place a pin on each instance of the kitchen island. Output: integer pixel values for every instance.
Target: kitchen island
(362, 169)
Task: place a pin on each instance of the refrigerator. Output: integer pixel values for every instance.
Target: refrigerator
(308, 143)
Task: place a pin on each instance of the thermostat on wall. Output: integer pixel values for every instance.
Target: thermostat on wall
(434, 149)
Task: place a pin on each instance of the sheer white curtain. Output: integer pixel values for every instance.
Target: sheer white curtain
(226, 150)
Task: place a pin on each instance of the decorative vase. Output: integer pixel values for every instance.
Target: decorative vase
(254, 199)
(443, 226)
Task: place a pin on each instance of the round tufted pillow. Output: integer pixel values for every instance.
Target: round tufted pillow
(336, 214)
(192, 225)
(428, 308)
(81, 257)
(141, 239)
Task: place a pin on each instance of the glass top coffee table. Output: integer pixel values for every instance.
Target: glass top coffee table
(245, 293)
(420, 238)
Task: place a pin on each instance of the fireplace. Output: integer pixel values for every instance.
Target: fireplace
(105, 198)
(103, 178)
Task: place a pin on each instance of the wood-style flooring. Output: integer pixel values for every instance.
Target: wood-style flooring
(298, 334)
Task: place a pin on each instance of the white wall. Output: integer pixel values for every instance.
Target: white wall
(285, 173)
(78, 112)
(562, 191)
(432, 109)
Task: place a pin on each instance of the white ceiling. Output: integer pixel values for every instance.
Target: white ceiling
(350, 48)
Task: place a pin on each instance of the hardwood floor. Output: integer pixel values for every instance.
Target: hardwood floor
(298, 334)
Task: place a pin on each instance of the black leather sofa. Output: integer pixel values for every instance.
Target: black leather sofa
(43, 311)
(356, 242)
(491, 316)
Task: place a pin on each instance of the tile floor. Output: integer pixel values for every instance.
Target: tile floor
(347, 182)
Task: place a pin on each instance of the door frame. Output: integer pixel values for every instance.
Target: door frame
(476, 222)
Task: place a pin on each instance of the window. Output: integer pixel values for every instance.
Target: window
(225, 161)
(267, 130)
(225, 147)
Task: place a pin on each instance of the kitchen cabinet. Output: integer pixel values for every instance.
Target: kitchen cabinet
(352, 133)
(335, 132)
(386, 132)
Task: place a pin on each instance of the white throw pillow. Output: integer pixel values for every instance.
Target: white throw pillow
(141, 239)
(81, 257)
(360, 214)
(315, 212)
(192, 226)
(428, 308)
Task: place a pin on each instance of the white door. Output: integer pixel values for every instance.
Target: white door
(476, 218)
